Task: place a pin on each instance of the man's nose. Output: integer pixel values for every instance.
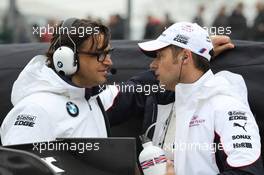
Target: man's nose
(108, 61)
(153, 65)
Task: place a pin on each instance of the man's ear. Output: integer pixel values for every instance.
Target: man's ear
(186, 55)
(179, 59)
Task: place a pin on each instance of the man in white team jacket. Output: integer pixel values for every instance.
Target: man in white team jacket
(53, 96)
(214, 131)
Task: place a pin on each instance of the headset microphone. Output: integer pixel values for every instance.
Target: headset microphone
(112, 72)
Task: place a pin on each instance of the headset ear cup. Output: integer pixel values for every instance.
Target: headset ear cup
(64, 61)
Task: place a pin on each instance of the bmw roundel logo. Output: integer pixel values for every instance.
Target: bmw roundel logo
(72, 109)
(59, 64)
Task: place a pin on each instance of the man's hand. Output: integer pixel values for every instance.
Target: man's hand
(170, 168)
(221, 43)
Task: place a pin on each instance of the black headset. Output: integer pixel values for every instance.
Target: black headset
(65, 59)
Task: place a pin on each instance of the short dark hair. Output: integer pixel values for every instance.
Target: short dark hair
(200, 62)
(77, 39)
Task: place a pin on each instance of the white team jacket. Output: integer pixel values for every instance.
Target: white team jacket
(46, 107)
(214, 106)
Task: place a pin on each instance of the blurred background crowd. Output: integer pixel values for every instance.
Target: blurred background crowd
(132, 19)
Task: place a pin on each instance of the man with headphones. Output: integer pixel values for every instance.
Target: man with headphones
(213, 130)
(57, 95)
